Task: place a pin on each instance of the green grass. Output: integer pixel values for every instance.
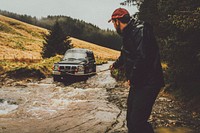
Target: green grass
(18, 38)
(100, 61)
(7, 29)
(118, 74)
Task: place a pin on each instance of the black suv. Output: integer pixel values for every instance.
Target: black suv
(76, 61)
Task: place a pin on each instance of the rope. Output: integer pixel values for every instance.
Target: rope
(87, 73)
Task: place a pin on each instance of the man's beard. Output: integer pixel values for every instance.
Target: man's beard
(118, 30)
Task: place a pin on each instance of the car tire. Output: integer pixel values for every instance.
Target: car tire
(94, 69)
(56, 78)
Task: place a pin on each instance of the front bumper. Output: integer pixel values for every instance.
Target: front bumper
(56, 73)
(65, 73)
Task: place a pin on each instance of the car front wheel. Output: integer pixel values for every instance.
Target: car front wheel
(56, 78)
(94, 69)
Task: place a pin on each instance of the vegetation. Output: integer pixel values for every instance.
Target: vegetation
(74, 28)
(55, 43)
(26, 68)
(20, 40)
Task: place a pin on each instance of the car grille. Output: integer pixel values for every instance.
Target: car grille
(70, 69)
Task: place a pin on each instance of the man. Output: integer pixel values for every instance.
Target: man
(141, 60)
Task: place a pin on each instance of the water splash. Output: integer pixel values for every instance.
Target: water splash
(6, 107)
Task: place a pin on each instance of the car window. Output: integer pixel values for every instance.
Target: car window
(74, 55)
(90, 56)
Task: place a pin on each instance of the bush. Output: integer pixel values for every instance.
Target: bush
(118, 74)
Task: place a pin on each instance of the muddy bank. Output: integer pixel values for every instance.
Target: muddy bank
(168, 114)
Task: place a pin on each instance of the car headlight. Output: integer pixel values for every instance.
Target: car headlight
(80, 68)
(56, 67)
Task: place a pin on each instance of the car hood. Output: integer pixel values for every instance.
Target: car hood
(71, 62)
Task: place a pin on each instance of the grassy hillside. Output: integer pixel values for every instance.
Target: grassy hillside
(20, 40)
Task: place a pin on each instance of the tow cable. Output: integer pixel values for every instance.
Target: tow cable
(92, 73)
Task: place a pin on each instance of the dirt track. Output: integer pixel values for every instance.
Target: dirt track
(97, 105)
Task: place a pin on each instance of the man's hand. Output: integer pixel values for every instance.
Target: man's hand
(111, 67)
(129, 82)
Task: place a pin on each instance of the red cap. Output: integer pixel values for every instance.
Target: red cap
(119, 13)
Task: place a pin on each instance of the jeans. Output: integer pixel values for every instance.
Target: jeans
(139, 104)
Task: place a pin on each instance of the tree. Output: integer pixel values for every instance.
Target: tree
(56, 42)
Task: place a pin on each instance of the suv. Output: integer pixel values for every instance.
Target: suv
(76, 61)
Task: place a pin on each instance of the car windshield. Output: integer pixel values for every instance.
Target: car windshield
(74, 56)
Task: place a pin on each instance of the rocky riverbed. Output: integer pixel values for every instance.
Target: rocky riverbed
(95, 105)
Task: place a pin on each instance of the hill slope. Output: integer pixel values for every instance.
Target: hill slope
(22, 40)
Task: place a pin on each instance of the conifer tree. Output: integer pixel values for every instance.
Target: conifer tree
(56, 42)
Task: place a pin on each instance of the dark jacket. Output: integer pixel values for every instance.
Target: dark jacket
(140, 55)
